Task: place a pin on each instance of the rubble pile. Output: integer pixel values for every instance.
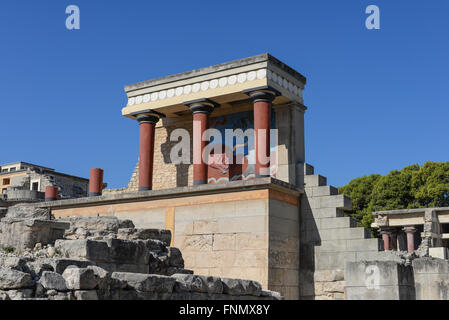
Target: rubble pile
(101, 258)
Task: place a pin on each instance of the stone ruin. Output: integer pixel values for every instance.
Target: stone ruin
(101, 258)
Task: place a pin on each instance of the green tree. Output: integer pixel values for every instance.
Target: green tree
(412, 187)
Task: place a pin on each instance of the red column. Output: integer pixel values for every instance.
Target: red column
(147, 123)
(410, 231)
(262, 98)
(386, 239)
(51, 193)
(200, 124)
(201, 110)
(394, 240)
(96, 182)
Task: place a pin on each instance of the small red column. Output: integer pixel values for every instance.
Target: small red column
(394, 240)
(262, 98)
(386, 239)
(51, 193)
(201, 110)
(96, 182)
(410, 231)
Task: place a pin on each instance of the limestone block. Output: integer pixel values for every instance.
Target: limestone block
(85, 295)
(53, 281)
(246, 241)
(320, 213)
(224, 241)
(80, 278)
(315, 180)
(237, 287)
(372, 244)
(145, 282)
(332, 260)
(128, 251)
(344, 234)
(16, 263)
(84, 249)
(329, 275)
(59, 265)
(145, 234)
(340, 202)
(197, 243)
(102, 276)
(257, 224)
(175, 258)
(14, 279)
(37, 267)
(196, 283)
(324, 191)
(19, 294)
(340, 222)
(24, 234)
(205, 226)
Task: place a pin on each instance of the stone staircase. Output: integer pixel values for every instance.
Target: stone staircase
(329, 239)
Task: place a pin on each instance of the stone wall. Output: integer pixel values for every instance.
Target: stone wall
(379, 280)
(396, 278)
(328, 239)
(244, 229)
(118, 264)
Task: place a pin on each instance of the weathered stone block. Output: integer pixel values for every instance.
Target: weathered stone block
(195, 283)
(23, 234)
(85, 295)
(59, 265)
(128, 251)
(145, 282)
(84, 249)
(53, 281)
(80, 279)
(14, 279)
(237, 287)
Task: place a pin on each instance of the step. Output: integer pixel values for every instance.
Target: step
(340, 202)
(322, 191)
(344, 234)
(334, 223)
(315, 180)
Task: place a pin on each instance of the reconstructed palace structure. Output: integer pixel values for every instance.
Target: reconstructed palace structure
(274, 221)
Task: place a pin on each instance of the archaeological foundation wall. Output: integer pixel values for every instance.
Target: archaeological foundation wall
(244, 229)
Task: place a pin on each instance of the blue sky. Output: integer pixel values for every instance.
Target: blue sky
(377, 99)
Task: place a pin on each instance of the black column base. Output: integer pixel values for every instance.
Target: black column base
(199, 182)
(94, 194)
(50, 199)
(145, 188)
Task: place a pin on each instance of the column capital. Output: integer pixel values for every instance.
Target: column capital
(262, 94)
(201, 105)
(410, 229)
(148, 116)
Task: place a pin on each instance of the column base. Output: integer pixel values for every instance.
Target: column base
(50, 199)
(199, 182)
(94, 194)
(145, 188)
